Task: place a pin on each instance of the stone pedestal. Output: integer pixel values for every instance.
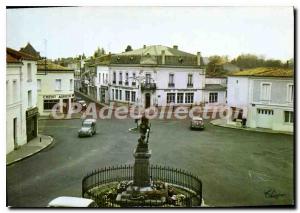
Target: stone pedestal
(141, 174)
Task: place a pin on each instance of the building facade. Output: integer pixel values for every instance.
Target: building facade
(55, 85)
(215, 91)
(268, 96)
(21, 102)
(156, 76)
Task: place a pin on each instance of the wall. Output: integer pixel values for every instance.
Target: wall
(237, 91)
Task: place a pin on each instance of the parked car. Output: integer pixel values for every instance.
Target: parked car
(72, 202)
(88, 128)
(197, 123)
(83, 104)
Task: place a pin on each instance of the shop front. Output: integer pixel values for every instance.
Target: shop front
(31, 123)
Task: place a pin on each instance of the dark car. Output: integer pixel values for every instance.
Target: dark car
(88, 128)
(197, 123)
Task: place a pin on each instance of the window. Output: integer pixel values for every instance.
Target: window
(49, 104)
(39, 84)
(127, 95)
(106, 79)
(120, 94)
(102, 77)
(29, 98)
(148, 78)
(120, 78)
(288, 117)
(99, 78)
(265, 91)
(126, 78)
(179, 98)
(58, 84)
(71, 84)
(171, 80)
(190, 80)
(132, 96)
(117, 94)
(114, 77)
(213, 97)
(133, 79)
(290, 93)
(189, 98)
(265, 111)
(113, 94)
(170, 97)
(29, 73)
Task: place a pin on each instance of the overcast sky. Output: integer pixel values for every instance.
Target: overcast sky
(266, 31)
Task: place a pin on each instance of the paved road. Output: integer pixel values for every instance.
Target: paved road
(236, 167)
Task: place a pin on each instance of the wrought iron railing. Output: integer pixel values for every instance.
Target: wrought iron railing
(148, 86)
(176, 177)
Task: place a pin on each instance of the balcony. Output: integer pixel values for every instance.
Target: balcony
(171, 85)
(120, 82)
(190, 85)
(148, 86)
(126, 83)
(133, 84)
(114, 82)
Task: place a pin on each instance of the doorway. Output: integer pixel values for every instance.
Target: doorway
(15, 133)
(147, 100)
(65, 106)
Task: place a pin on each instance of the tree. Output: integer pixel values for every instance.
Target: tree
(128, 48)
(214, 66)
(248, 61)
(99, 52)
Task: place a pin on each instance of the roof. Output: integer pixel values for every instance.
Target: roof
(155, 50)
(65, 201)
(50, 66)
(153, 56)
(215, 87)
(28, 49)
(14, 56)
(266, 72)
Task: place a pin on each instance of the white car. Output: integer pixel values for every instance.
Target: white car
(71, 202)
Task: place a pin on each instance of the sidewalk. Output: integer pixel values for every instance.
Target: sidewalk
(66, 117)
(32, 147)
(223, 123)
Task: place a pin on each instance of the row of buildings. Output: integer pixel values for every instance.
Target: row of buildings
(33, 86)
(158, 75)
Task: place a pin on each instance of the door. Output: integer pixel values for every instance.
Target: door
(15, 133)
(147, 100)
(65, 106)
(264, 118)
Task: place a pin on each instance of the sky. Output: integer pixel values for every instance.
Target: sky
(231, 31)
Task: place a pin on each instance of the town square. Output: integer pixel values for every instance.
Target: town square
(138, 118)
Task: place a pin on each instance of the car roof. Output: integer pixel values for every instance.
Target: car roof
(89, 120)
(65, 201)
(197, 118)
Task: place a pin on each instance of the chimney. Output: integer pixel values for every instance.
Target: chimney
(175, 47)
(144, 46)
(198, 58)
(163, 57)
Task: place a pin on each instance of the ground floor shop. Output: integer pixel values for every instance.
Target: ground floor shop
(59, 103)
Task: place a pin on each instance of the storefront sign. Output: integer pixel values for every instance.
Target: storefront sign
(58, 96)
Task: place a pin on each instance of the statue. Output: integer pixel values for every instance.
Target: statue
(144, 139)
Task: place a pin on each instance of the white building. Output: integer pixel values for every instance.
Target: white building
(21, 102)
(156, 76)
(55, 84)
(268, 96)
(215, 91)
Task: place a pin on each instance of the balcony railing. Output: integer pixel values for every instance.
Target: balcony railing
(114, 82)
(133, 83)
(120, 82)
(126, 83)
(148, 86)
(190, 85)
(171, 85)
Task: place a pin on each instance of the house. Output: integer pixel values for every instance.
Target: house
(21, 102)
(266, 95)
(101, 79)
(215, 91)
(157, 76)
(55, 85)
(28, 49)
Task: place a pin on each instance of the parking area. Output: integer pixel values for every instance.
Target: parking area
(238, 168)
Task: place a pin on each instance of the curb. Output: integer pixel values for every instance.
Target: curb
(27, 156)
(249, 129)
(47, 118)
